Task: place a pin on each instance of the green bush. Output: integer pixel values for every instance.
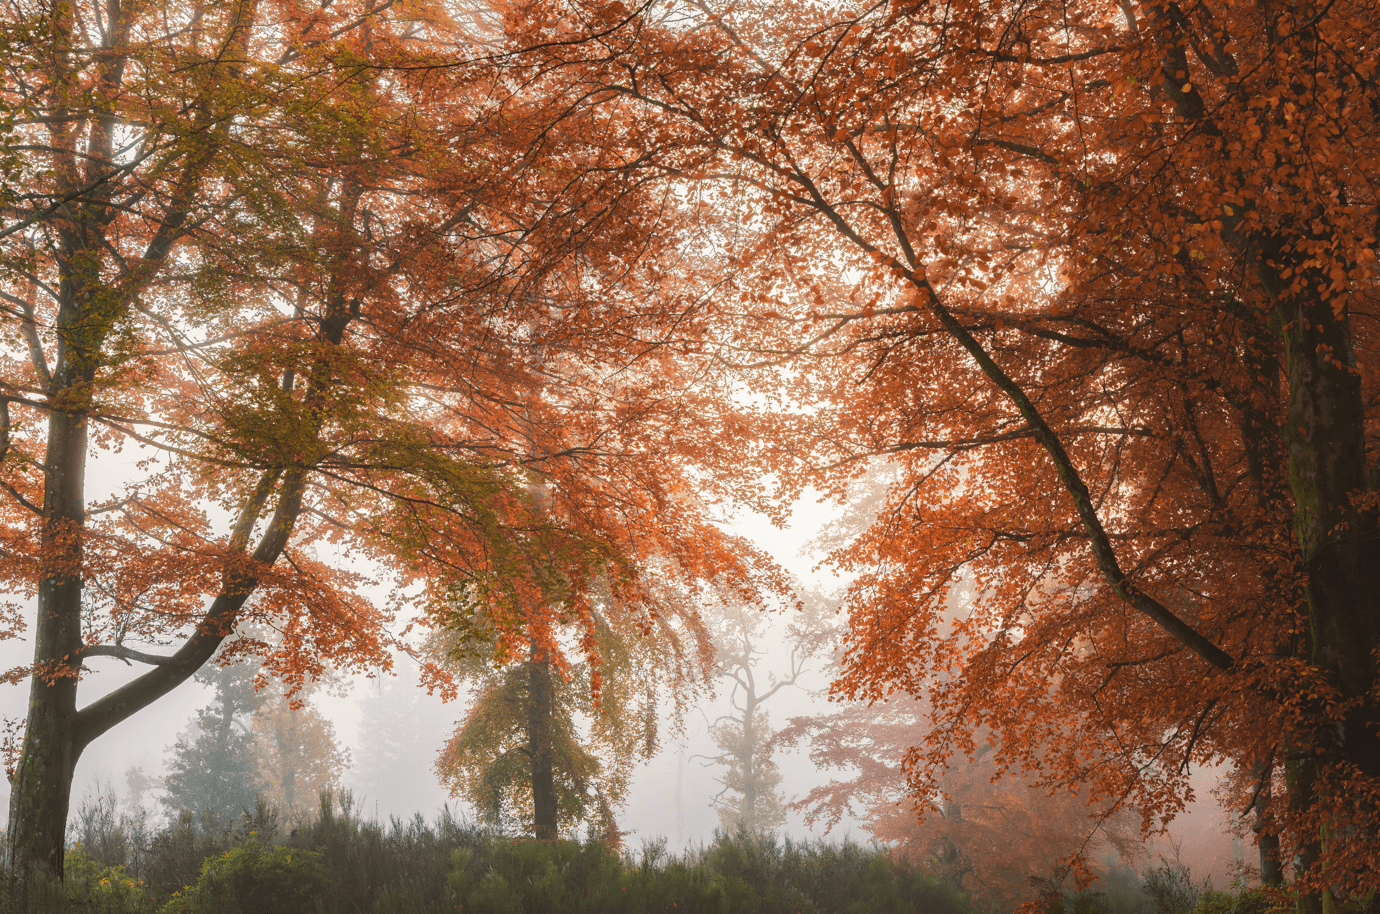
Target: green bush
(174, 857)
(90, 886)
(675, 888)
(557, 877)
(251, 879)
(1248, 902)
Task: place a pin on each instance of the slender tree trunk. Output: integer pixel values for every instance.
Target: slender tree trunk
(289, 788)
(540, 711)
(749, 809)
(1266, 462)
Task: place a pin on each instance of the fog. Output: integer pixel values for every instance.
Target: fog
(393, 731)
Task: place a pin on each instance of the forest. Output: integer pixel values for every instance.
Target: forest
(347, 336)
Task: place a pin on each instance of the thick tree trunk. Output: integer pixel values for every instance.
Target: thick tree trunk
(540, 712)
(1338, 546)
(1271, 871)
(89, 308)
(41, 789)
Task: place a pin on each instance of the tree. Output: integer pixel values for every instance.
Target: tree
(520, 755)
(1100, 279)
(330, 291)
(206, 774)
(252, 742)
(750, 797)
(393, 769)
(989, 834)
(297, 756)
(213, 762)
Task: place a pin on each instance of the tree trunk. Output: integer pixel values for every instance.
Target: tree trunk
(89, 308)
(41, 789)
(1338, 545)
(1271, 871)
(540, 711)
(748, 812)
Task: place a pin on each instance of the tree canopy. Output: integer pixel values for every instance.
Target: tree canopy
(1099, 280)
(548, 747)
(508, 298)
(321, 300)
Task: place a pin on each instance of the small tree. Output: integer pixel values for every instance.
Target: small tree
(521, 754)
(297, 756)
(990, 834)
(750, 798)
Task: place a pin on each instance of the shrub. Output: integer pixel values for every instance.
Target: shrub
(493, 895)
(1248, 902)
(251, 879)
(175, 856)
(1172, 888)
(90, 886)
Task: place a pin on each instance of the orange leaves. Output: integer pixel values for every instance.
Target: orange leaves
(1149, 207)
(398, 322)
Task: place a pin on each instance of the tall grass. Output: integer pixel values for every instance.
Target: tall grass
(340, 863)
(348, 865)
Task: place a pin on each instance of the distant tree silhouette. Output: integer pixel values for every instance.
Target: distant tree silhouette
(750, 797)
(213, 767)
(296, 755)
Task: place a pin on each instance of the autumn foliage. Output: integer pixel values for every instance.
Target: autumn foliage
(1000, 840)
(290, 311)
(506, 299)
(1099, 280)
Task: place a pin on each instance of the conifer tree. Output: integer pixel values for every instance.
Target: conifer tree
(213, 767)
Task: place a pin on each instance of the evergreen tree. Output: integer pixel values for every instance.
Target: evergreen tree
(393, 769)
(213, 766)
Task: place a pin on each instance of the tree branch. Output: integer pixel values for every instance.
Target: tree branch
(120, 652)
